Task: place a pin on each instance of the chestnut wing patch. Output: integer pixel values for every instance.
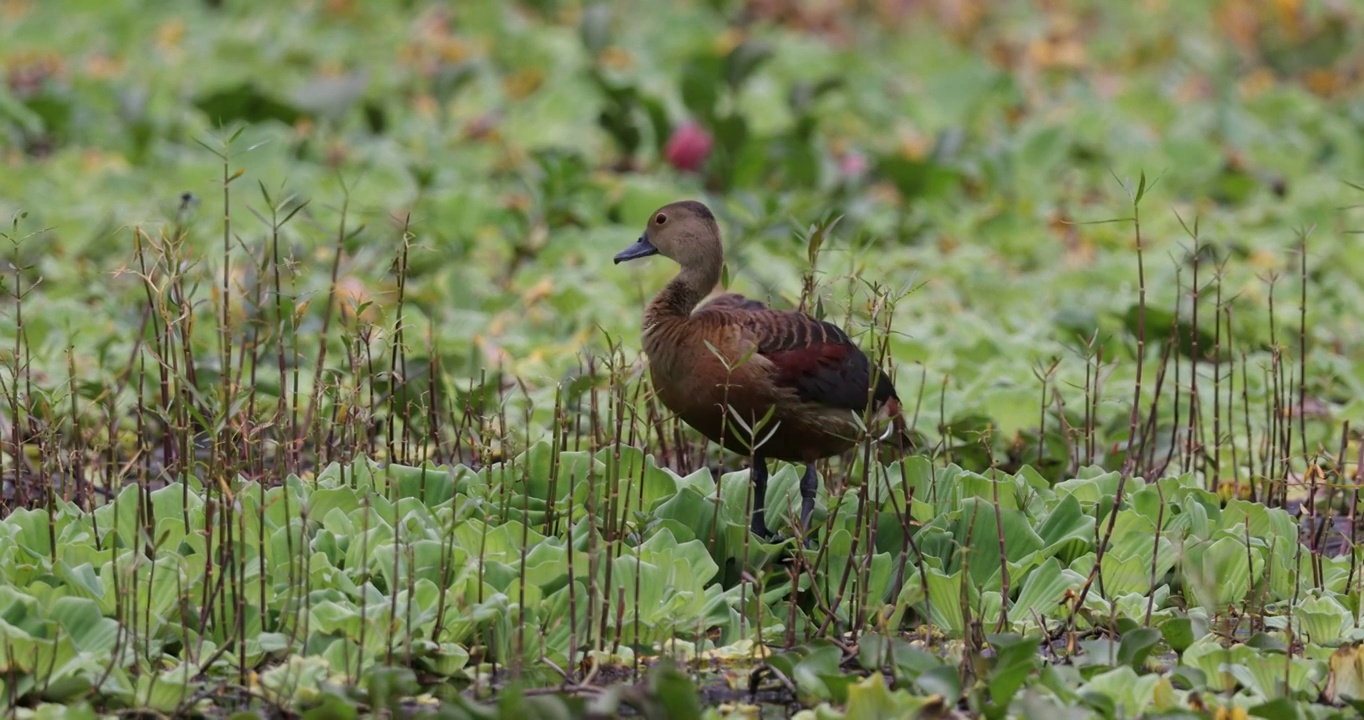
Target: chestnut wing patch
(817, 360)
(827, 373)
(814, 358)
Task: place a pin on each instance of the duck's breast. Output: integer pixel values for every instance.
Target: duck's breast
(701, 370)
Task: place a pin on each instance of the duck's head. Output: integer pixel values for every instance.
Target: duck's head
(684, 232)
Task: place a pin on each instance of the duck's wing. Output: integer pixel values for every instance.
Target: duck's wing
(814, 358)
(734, 301)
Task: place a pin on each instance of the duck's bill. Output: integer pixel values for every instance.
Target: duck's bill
(641, 248)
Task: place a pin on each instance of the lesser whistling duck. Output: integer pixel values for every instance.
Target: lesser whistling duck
(806, 373)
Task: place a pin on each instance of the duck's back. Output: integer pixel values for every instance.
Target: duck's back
(805, 375)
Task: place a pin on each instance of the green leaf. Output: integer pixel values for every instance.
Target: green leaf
(166, 691)
(594, 27)
(944, 600)
(83, 621)
(1220, 573)
(1136, 646)
(1043, 589)
(1322, 619)
(1066, 525)
(1179, 633)
(978, 530)
(870, 699)
(674, 691)
(942, 681)
(701, 77)
(1130, 694)
(743, 60)
(388, 686)
(1280, 709)
(1016, 659)
(1266, 642)
(331, 704)
(245, 103)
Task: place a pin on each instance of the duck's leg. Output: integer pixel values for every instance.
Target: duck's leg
(809, 485)
(758, 475)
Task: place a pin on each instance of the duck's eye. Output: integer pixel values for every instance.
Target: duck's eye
(660, 219)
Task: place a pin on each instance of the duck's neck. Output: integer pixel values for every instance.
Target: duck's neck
(682, 294)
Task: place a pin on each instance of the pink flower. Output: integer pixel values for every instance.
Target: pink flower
(852, 164)
(688, 147)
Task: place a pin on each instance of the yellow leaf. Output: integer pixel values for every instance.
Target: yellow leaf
(523, 83)
(617, 58)
(169, 35)
(537, 292)
(728, 40)
(1163, 696)
(1346, 675)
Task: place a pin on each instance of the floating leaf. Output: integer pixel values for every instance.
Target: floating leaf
(245, 103)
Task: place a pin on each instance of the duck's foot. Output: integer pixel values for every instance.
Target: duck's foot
(760, 530)
(772, 538)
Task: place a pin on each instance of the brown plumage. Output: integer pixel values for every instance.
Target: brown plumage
(804, 375)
